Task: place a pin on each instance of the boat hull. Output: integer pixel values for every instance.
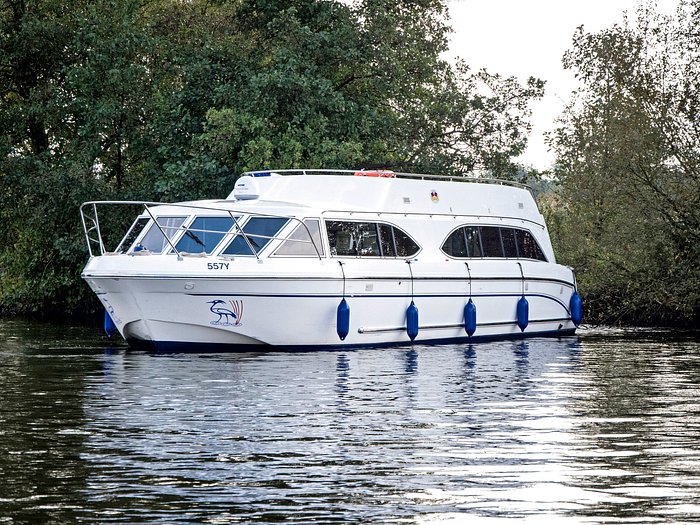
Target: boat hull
(181, 313)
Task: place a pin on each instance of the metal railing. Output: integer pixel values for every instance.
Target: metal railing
(96, 246)
(392, 174)
(94, 238)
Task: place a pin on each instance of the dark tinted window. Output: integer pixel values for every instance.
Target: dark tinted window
(510, 248)
(259, 231)
(204, 234)
(527, 246)
(353, 238)
(456, 245)
(368, 239)
(473, 240)
(491, 241)
(386, 240)
(341, 237)
(134, 232)
(405, 246)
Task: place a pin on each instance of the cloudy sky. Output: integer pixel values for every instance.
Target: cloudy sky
(528, 38)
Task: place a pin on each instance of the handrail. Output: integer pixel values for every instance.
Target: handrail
(97, 227)
(91, 223)
(396, 174)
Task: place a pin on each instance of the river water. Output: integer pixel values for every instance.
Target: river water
(603, 427)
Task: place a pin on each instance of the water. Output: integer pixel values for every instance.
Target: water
(601, 428)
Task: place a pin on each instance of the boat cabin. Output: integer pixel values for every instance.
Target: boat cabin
(270, 215)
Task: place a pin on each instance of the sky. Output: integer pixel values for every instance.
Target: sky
(526, 38)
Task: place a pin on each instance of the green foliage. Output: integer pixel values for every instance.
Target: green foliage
(171, 100)
(628, 154)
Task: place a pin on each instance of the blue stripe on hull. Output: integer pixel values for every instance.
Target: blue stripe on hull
(383, 296)
(178, 346)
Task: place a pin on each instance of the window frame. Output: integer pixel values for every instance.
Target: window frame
(500, 236)
(376, 224)
(168, 246)
(238, 230)
(301, 224)
(192, 219)
(499, 242)
(534, 240)
(121, 249)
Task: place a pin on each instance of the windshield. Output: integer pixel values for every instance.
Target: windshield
(204, 234)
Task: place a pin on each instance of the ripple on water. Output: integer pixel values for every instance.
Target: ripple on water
(601, 428)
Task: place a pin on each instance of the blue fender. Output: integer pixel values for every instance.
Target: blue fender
(343, 320)
(523, 312)
(470, 318)
(412, 321)
(576, 308)
(109, 326)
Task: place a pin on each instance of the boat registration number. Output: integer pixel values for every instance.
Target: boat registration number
(217, 266)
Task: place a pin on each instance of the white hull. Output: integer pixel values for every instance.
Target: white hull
(301, 311)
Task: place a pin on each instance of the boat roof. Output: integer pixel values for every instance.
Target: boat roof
(384, 192)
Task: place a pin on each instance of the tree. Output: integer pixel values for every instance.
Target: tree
(171, 100)
(75, 90)
(627, 159)
(363, 84)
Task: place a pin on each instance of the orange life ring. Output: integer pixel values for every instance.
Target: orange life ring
(374, 173)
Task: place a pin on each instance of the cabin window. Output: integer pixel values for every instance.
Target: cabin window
(456, 245)
(259, 231)
(203, 235)
(386, 240)
(463, 242)
(132, 234)
(368, 239)
(510, 248)
(405, 246)
(154, 241)
(492, 241)
(527, 246)
(473, 240)
(299, 244)
(353, 238)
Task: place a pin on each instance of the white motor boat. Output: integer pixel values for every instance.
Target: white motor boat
(308, 259)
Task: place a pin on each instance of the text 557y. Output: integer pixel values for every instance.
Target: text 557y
(217, 266)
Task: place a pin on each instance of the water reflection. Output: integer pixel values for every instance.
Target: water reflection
(597, 429)
(411, 361)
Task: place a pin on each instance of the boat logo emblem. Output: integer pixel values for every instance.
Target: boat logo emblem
(434, 196)
(226, 316)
